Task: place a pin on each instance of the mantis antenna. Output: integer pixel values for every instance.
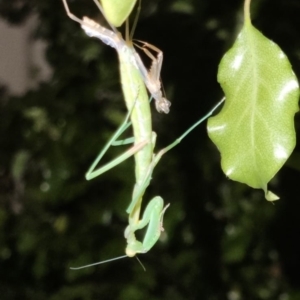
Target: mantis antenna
(106, 261)
(98, 263)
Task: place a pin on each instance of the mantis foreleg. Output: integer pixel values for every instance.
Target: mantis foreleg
(152, 77)
(153, 216)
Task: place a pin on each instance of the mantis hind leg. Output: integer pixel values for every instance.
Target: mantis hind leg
(93, 172)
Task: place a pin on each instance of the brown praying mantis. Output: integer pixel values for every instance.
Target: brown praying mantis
(134, 78)
(114, 39)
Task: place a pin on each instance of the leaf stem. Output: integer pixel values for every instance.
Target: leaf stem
(247, 16)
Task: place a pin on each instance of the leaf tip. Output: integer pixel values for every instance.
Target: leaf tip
(271, 196)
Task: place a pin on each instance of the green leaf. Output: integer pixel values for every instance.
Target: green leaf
(117, 11)
(255, 129)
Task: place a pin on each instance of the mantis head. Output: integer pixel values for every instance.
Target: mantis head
(133, 248)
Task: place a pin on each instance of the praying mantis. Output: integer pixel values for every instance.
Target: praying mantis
(134, 78)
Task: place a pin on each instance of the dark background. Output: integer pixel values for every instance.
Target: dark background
(223, 240)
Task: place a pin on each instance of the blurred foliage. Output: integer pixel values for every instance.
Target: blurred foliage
(222, 239)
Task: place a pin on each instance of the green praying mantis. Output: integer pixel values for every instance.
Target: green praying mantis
(134, 79)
